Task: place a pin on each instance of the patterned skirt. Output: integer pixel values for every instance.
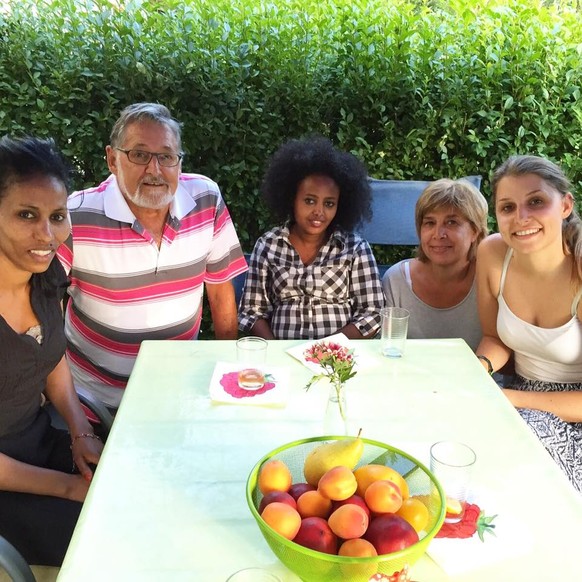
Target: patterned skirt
(563, 440)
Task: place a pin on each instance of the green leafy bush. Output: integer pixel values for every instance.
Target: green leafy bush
(415, 89)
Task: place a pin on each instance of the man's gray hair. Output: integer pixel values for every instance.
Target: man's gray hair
(144, 112)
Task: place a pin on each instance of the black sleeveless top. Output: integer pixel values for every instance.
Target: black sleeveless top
(24, 363)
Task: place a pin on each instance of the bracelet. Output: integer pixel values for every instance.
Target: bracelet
(84, 435)
(488, 362)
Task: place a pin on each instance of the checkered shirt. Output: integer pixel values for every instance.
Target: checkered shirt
(300, 301)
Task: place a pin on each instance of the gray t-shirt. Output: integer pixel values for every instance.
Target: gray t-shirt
(425, 321)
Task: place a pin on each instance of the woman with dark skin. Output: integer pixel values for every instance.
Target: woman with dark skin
(313, 276)
(40, 491)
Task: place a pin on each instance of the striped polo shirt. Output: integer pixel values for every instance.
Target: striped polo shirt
(124, 289)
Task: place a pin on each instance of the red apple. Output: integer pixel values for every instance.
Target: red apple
(280, 496)
(390, 533)
(315, 533)
(356, 500)
(298, 489)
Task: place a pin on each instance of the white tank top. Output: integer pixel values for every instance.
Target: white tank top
(550, 355)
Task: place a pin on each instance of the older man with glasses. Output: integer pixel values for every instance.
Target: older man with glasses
(144, 245)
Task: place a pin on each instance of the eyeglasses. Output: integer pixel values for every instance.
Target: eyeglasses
(142, 158)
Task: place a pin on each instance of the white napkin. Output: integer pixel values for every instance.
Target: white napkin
(463, 556)
(224, 386)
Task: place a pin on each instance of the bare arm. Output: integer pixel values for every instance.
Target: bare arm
(489, 260)
(352, 332)
(263, 329)
(368, 296)
(61, 392)
(223, 309)
(566, 405)
(23, 478)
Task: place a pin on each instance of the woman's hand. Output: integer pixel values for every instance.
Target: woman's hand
(86, 450)
(76, 488)
(566, 405)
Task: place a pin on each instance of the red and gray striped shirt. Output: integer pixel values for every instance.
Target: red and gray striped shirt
(124, 289)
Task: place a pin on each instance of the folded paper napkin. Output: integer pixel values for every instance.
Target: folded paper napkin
(224, 386)
(298, 352)
(463, 555)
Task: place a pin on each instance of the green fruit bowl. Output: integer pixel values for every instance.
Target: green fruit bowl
(313, 566)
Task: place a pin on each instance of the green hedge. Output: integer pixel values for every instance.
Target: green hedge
(415, 89)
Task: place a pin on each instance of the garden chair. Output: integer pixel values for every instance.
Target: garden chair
(12, 562)
(392, 223)
(393, 205)
(97, 413)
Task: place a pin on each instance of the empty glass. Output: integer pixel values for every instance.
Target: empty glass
(394, 331)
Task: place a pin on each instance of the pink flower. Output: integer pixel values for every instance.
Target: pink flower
(337, 362)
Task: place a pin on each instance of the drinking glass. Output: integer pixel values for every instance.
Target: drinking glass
(251, 355)
(253, 575)
(394, 331)
(452, 463)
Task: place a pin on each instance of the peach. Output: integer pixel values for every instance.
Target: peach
(348, 521)
(316, 534)
(282, 518)
(313, 504)
(337, 484)
(383, 497)
(274, 476)
(390, 533)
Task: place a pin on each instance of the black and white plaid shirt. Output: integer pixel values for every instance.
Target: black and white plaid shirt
(341, 286)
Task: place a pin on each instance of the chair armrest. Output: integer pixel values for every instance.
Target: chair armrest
(96, 407)
(13, 563)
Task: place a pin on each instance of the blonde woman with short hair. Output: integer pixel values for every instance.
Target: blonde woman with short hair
(438, 286)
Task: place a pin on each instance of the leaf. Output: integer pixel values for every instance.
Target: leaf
(484, 525)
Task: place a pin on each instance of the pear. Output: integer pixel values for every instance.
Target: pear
(321, 459)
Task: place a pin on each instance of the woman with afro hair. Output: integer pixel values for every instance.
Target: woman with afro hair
(313, 276)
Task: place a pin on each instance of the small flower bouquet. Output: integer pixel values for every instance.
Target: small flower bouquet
(337, 363)
(336, 360)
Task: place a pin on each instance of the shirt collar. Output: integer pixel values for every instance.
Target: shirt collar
(116, 207)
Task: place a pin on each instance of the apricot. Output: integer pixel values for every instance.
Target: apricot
(415, 512)
(282, 518)
(274, 476)
(337, 484)
(383, 497)
(348, 521)
(298, 489)
(314, 504)
(358, 548)
(355, 499)
(277, 496)
(367, 474)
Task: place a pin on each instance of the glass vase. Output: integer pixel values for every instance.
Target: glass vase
(336, 418)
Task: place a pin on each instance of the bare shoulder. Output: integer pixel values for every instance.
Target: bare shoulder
(491, 249)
